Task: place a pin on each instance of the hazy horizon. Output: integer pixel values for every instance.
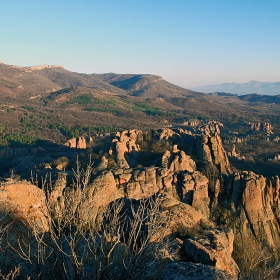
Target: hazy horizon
(187, 43)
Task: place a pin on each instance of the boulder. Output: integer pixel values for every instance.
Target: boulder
(24, 203)
(193, 271)
(214, 249)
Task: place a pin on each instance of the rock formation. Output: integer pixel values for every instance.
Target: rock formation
(77, 143)
(210, 128)
(276, 157)
(182, 162)
(215, 249)
(195, 191)
(265, 126)
(177, 160)
(233, 153)
(211, 151)
(255, 203)
(195, 202)
(166, 133)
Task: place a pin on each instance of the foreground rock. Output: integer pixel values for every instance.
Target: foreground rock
(193, 271)
(24, 203)
(214, 248)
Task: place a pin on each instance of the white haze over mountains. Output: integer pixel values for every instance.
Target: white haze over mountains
(267, 88)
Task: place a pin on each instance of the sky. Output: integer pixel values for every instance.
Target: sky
(187, 42)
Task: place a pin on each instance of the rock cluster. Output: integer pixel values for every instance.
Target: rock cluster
(77, 143)
(166, 133)
(233, 153)
(276, 157)
(212, 127)
(192, 123)
(265, 126)
(245, 201)
(177, 161)
(235, 139)
(135, 184)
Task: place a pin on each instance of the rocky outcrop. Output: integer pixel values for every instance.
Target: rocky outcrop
(245, 201)
(212, 127)
(125, 147)
(265, 127)
(233, 153)
(182, 162)
(77, 143)
(209, 247)
(100, 193)
(166, 133)
(190, 188)
(195, 191)
(193, 271)
(81, 143)
(211, 151)
(206, 147)
(177, 161)
(23, 221)
(121, 149)
(214, 248)
(103, 164)
(130, 138)
(165, 159)
(71, 143)
(276, 157)
(235, 139)
(192, 123)
(24, 203)
(255, 202)
(184, 219)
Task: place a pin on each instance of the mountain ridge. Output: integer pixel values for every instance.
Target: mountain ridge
(43, 79)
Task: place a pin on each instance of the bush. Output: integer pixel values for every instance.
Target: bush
(127, 243)
(255, 260)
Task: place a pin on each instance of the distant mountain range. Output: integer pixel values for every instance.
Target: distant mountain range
(267, 88)
(27, 81)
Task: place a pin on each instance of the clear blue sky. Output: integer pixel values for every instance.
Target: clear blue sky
(188, 43)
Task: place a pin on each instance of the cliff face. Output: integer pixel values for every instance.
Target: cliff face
(255, 204)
